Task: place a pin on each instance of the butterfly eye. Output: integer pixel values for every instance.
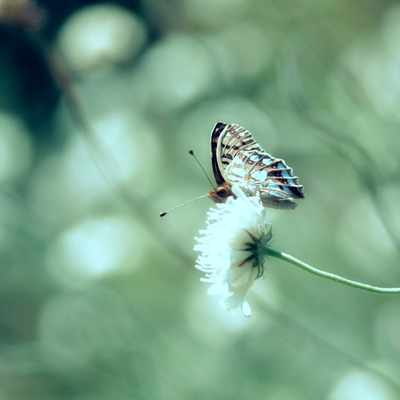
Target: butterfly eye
(222, 192)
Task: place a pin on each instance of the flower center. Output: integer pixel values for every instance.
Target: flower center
(258, 246)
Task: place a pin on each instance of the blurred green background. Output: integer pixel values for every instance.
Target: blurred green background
(99, 297)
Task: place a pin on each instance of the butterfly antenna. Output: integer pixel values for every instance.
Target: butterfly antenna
(184, 204)
(198, 162)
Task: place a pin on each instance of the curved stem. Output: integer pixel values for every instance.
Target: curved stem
(327, 275)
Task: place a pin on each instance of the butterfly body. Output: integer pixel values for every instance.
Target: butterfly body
(238, 159)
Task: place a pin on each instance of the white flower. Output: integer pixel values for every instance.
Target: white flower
(233, 248)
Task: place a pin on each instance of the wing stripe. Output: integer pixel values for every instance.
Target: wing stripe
(215, 135)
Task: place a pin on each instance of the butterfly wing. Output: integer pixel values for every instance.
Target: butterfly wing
(215, 153)
(238, 159)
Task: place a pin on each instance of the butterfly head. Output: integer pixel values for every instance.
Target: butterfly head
(221, 193)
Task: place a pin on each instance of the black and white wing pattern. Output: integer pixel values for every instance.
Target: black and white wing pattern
(238, 159)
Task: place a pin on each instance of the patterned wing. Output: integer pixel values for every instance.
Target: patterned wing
(215, 156)
(238, 159)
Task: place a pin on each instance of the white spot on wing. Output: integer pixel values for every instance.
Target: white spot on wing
(259, 175)
(233, 178)
(266, 161)
(238, 171)
(255, 157)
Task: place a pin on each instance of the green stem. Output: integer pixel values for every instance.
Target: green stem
(327, 275)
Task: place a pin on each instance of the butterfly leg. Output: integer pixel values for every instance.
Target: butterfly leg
(258, 191)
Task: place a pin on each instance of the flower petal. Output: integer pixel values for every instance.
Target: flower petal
(246, 310)
(229, 248)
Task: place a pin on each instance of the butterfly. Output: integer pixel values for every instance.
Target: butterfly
(238, 159)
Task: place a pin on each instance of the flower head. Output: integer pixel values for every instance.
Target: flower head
(233, 248)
